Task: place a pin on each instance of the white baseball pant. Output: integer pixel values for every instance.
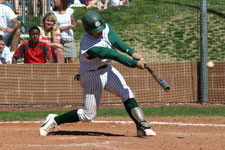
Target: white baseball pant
(93, 84)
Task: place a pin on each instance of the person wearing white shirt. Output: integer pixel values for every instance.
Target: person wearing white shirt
(5, 55)
(11, 34)
(66, 24)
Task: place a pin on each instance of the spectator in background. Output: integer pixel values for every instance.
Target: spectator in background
(6, 3)
(99, 4)
(103, 4)
(34, 51)
(11, 34)
(66, 23)
(43, 7)
(16, 6)
(5, 55)
(50, 33)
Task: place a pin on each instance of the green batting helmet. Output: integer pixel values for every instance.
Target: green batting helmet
(93, 22)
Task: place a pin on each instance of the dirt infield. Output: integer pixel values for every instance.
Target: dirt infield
(186, 133)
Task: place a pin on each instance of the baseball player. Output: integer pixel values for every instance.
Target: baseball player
(97, 49)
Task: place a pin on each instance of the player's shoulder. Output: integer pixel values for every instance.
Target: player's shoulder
(110, 28)
(107, 24)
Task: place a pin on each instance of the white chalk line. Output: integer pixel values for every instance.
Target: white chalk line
(130, 122)
(165, 123)
(106, 144)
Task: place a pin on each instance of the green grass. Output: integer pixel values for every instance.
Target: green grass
(166, 30)
(153, 112)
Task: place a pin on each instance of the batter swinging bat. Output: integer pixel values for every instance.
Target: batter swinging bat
(161, 82)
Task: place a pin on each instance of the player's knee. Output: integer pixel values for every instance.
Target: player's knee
(85, 116)
(126, 94)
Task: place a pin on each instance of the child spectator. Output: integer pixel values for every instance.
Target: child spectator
(67, 23)
(11, 34)
(5, 55)
(34, 51)
(50, 33)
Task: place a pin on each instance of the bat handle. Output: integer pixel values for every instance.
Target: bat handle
(146, 66)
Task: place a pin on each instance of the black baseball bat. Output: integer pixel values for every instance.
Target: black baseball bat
(160, 80)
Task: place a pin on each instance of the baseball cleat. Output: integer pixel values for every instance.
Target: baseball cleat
(146, 132)
(48, 125)
(144, 129)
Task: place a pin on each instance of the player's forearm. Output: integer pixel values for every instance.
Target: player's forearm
(106, 53)
(124, 47)
(125, 61)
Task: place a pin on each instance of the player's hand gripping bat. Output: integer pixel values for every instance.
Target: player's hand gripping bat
(161, 82)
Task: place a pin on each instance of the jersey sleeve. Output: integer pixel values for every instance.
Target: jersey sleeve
(48, 51)
(10, 14)
(107, 53)
(58, 34)
(71, 11)
(19, 51)
(117, 43)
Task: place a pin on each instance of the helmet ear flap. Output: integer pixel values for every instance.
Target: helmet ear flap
(93, 22)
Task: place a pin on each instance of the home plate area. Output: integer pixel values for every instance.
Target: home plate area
(200, 133)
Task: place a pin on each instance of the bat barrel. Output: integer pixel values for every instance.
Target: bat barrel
(163, 84)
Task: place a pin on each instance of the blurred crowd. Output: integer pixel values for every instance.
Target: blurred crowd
(52, 41)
